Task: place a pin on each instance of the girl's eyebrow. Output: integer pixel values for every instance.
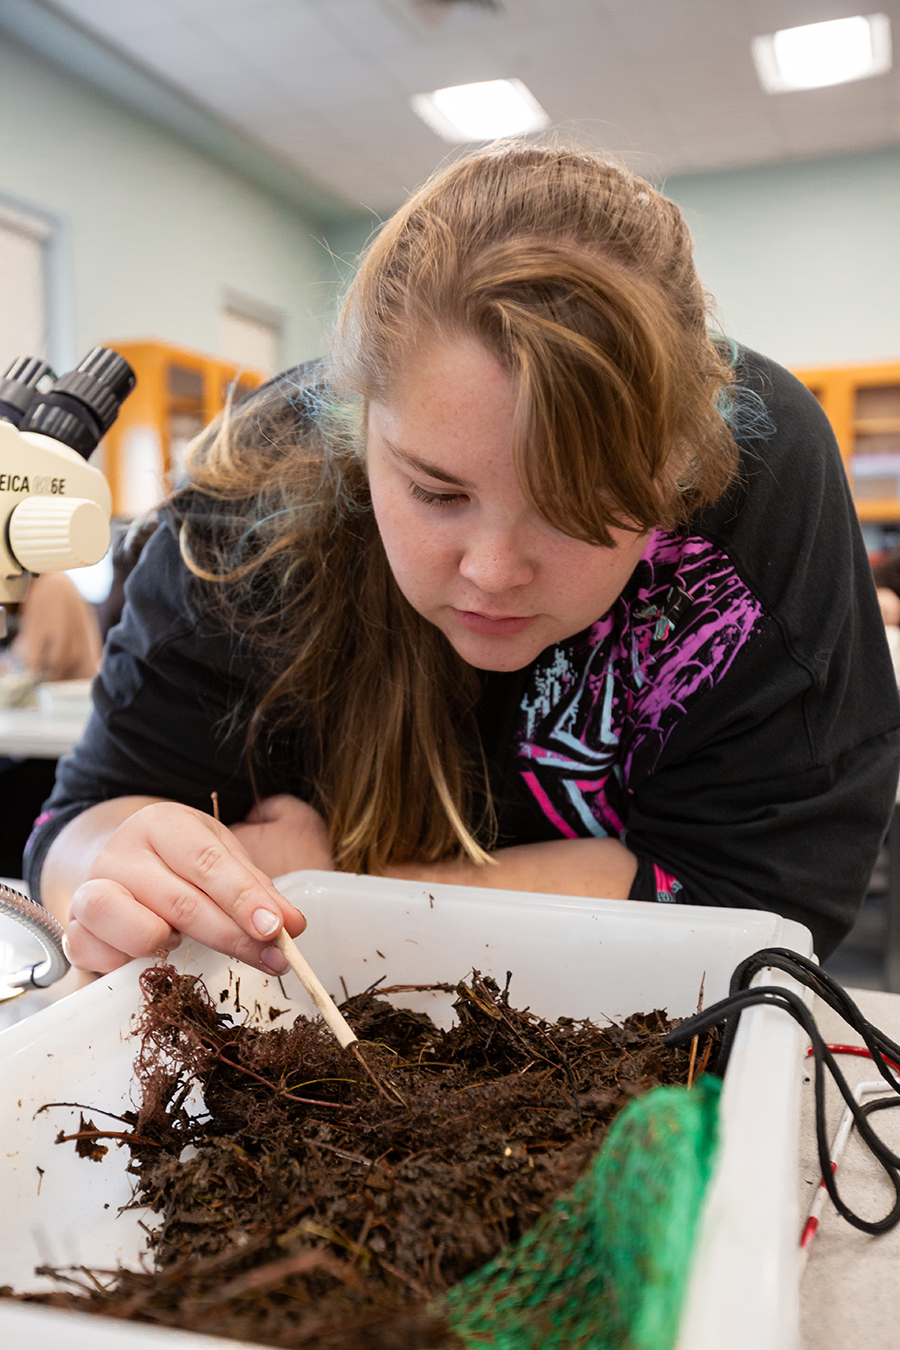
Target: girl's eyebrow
(422, 466)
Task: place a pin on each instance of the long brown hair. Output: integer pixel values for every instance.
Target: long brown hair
(579, 278)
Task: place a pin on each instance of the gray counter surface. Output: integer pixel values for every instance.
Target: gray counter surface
(848, 1294)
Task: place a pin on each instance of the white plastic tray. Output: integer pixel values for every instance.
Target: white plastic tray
(578, 957)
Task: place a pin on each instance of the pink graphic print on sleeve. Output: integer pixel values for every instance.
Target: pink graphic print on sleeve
(617, 690)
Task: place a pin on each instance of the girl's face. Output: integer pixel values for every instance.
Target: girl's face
(467, 550)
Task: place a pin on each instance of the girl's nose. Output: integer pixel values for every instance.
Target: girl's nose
(497, 561)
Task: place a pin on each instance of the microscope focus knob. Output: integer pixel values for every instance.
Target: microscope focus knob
(50, 534)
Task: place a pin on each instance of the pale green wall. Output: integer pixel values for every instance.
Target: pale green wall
(153, 232)
(346, 242)
(803, 259)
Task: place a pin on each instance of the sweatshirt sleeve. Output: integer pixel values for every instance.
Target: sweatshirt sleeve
(162, 721)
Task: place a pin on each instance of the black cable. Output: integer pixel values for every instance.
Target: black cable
(728, 1010)
(807, 972)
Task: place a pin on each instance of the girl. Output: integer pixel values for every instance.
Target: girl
(533, 586)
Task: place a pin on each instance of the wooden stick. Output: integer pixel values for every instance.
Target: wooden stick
(334, 1020)
(316, 990)
(308, 977)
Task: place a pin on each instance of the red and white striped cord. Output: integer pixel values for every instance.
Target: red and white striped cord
(838, 1145)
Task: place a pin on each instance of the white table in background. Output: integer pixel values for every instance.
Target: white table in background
(29, 733)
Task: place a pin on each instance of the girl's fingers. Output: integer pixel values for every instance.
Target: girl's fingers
(170, 870)
(294, 921)
(215, 865)
(174, 904)
(109, 913)
(291, 917)
(155, 868)
(87, 952)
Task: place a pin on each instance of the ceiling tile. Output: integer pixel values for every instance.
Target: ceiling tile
(325, 83)
(112, 17)
(369, 23)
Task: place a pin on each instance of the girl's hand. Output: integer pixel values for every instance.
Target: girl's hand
(283, 834)
(169, 871)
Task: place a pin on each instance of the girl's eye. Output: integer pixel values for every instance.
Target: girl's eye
(434, 498)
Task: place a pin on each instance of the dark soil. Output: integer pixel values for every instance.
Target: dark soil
(308, 1208)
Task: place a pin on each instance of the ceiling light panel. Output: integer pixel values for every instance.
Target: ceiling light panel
(820, 54)
(484, 111)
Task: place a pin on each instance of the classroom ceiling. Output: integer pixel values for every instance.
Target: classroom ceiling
(324, 85)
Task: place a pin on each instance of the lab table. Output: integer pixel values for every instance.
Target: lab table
(30, 734)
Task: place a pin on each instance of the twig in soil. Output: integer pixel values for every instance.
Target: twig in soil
(81, 1107)
(386, 989)
(242, 1068)
(343, 1153)
(376, 1080)
(704, 1058)
(496, 1005)
(400, 1275)
(263, 1277)
(696, 1039)
(107, 1134)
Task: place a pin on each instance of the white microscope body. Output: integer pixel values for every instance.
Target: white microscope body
(55, 507)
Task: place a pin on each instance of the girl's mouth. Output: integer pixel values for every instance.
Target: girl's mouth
(490, 627)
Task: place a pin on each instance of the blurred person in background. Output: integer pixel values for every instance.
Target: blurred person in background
(55, 635)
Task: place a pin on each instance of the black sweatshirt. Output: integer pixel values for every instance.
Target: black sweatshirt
(733, 718)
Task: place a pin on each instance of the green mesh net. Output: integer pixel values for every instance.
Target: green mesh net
(606, 1267)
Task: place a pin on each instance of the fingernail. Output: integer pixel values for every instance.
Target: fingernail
(265, 922)
(273, 960)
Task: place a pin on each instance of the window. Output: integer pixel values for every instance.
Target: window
(23, 312)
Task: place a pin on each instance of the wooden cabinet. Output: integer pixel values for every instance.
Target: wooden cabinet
(862, 404)
(177, 393)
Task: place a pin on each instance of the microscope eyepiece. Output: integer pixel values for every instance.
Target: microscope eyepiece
(19, 387)
(82, 405)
